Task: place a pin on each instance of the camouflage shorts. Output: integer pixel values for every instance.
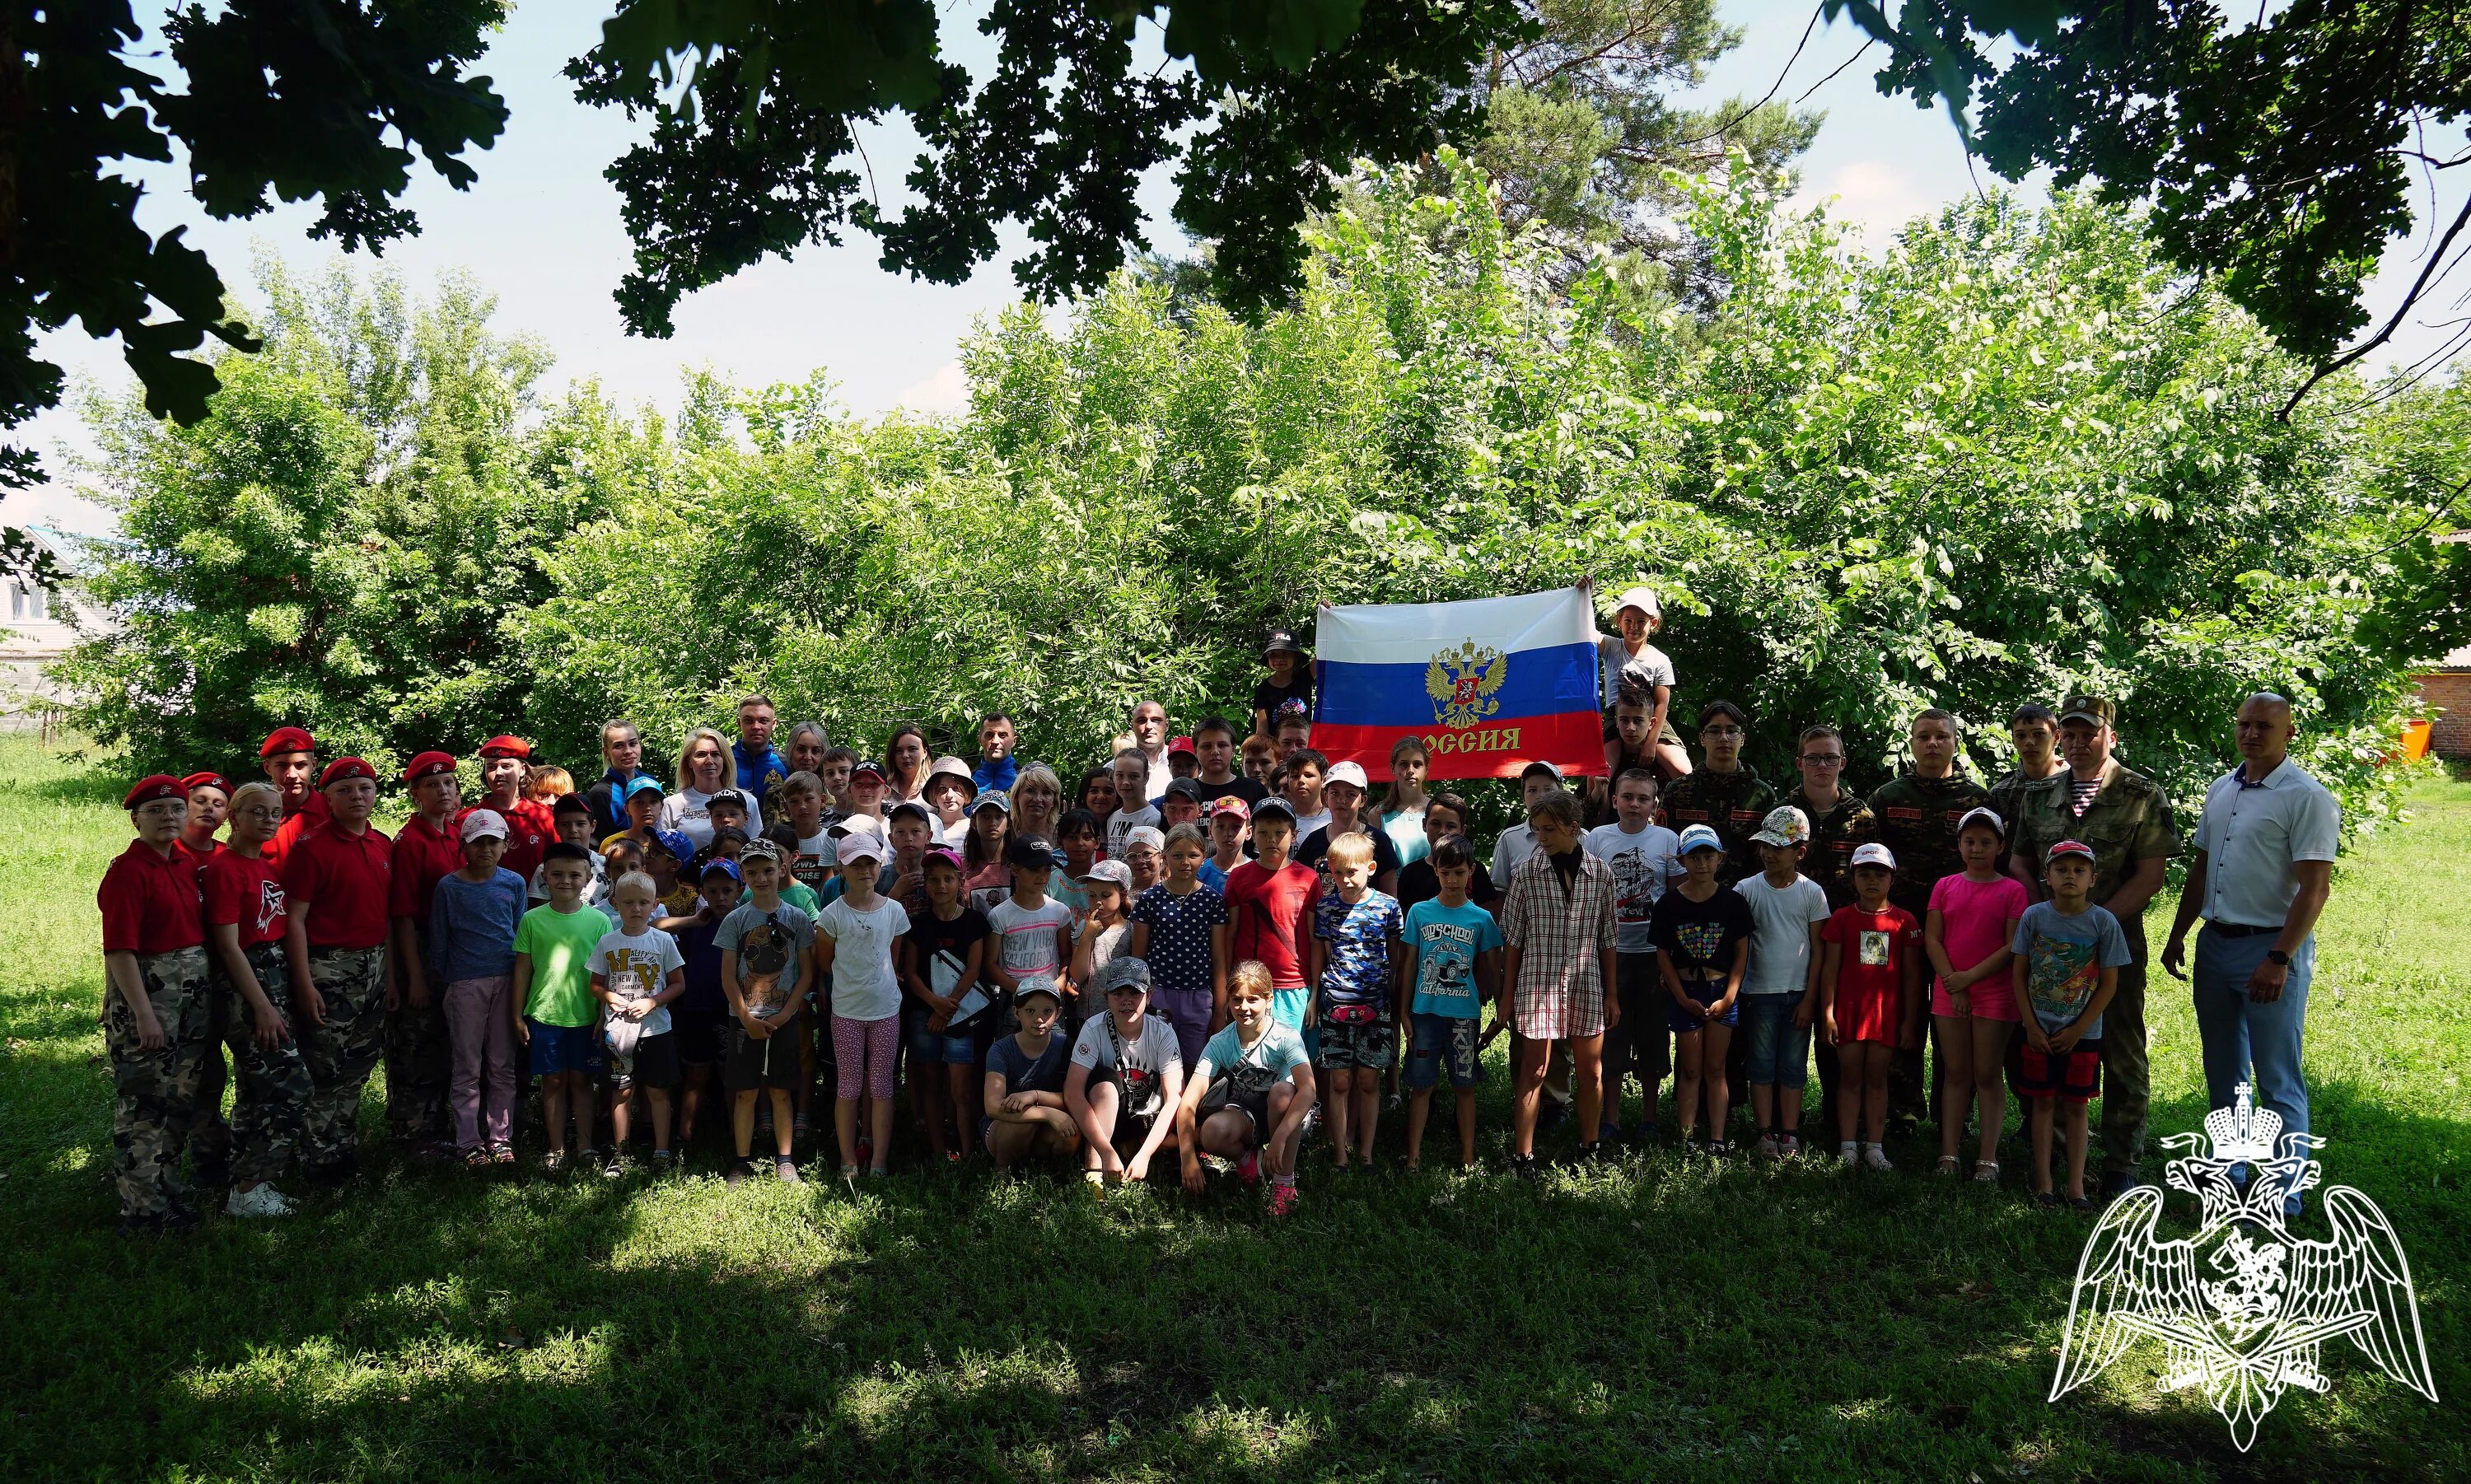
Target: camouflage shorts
(156, 1101)
(341, 1051)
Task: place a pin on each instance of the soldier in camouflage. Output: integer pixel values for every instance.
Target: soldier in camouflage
(1917, 815)
(2126, 817)
(1725, 793)
(157, 1014)
(2036, 732)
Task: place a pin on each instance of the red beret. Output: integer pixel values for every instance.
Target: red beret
(507, 747)
(287, 739)
(152, 787)
(197, 781)
(344, 770)
(426, 764)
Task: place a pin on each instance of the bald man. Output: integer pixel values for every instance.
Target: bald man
(2263, 869)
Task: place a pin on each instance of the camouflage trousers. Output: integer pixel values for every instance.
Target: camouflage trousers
(341, 1053)
(2126, 1078)
(156, 1093)
(417, 1065)
(273, 1087)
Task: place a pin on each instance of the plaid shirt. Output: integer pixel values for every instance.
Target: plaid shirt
(1562, 939)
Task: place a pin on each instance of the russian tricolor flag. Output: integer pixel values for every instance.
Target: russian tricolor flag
(1489, 685)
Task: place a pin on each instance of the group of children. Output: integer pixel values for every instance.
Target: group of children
(1174, 965)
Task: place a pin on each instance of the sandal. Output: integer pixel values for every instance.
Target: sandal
(1985, 1172)
(502, 1154)
(476, 1158)
(1947, 1165)
(553, 1161)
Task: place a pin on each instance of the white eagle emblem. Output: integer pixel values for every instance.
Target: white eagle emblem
(2243, 1306)
(1462, 686)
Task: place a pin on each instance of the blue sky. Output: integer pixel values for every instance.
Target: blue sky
(541, 230)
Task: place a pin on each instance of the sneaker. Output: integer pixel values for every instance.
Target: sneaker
(2048, 1200)
(1589, 1153)
(554, 1161)
(1524, 1166)
(616, 1166)
(1848, 1154)
(739, 1172)
(1282, 1197)
(264, 1201)
(1768, 1147)
(1788, 1146)
(1875, 1158)
(663, 1162)
(1717, 1148)
(787, 1172)
(1249, 1169)
(2083, 1203)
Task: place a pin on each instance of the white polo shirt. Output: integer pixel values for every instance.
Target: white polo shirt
(2252, 833)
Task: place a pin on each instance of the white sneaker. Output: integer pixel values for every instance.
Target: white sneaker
(1875, 1158)
(263, 1201)
(1845, 1155)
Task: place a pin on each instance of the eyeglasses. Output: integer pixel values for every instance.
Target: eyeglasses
(1720, 731)
(1824, 759)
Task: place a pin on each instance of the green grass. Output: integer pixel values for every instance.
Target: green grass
(1651, 1320)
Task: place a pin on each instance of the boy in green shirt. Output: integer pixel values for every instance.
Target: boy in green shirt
(559, 1021)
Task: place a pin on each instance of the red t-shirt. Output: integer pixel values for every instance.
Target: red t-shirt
(1871, 971)
(297, 825)
(531, 827)
(1266, 912)
(214, 848)
(151, 904)
(345, 883)
(247, 892)
(422, 855)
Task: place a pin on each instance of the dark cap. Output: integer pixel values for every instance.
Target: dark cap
(2084, 707)
(1281, 641)
(1183, 788)
(1030, 853)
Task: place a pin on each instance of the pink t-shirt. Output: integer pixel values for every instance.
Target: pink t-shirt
(1974, 918)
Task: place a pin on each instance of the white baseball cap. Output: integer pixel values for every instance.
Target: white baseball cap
(1875, 853)
(1643, 600)
(1350, 772)
(483, 822)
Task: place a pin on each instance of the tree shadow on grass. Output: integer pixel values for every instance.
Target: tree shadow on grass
(1657, 1317)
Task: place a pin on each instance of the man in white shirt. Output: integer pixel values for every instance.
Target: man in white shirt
(1149, 736)
(2263, 869)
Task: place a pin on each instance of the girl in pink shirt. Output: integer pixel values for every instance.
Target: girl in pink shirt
(1971, 919)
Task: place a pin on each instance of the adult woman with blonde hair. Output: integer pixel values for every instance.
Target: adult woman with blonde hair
(705, 768)
(1037, 801)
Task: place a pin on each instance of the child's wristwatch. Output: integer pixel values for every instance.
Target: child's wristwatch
(2277, 958)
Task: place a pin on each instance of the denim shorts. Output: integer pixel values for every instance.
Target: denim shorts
(1442, 1041)
(1702, 992)
(560, 1049)
(932, 1048)
(1779, 1052)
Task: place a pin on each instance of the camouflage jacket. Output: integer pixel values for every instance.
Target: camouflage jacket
(1917, 818)
(1733, 803)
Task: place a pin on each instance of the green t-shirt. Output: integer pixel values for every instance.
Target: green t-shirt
(560, 945)
(800, 895)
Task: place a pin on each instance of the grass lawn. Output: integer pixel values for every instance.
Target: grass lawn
(1652, 1319)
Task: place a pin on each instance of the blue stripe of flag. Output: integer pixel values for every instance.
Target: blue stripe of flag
(1540, 683)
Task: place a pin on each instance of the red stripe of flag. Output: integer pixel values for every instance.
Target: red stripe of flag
(1571, 741)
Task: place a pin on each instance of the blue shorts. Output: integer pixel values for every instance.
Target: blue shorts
(1705, 992)
(934, 1047)
(1778, 1050)
(1442, 1041)
(558, 1049)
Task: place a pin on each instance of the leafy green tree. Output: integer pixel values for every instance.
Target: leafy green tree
(2278, 156)
(321, 100)
(340, 543)
(1580, 128)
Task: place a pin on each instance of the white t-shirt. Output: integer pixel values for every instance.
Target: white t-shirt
(864, 985)
(594, 895)
(1644, 865)
(1610, 650)
(1152, 1058)
(1517, 844)
(1781, 920)
(1028, 935)
(1123, 822)
(688, 811)
(637, 968)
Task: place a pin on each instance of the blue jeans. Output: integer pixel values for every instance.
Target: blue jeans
(2247, 1042)
(1779, 1050)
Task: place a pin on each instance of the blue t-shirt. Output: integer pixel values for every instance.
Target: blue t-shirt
(699, 945)
(472, 926)
(1358, 935)
(1211, 877)
(2064, 958)
(1278, 1053)
(1178, 952)
(997, 774)
(1020, 1075)
(1448, 941)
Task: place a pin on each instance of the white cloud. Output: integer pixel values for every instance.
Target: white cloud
(948, 391)
(1874, 197)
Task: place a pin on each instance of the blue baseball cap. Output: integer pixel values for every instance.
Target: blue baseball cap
(1700, 836)
(680, 848)
(722, 865)
(642, 785)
